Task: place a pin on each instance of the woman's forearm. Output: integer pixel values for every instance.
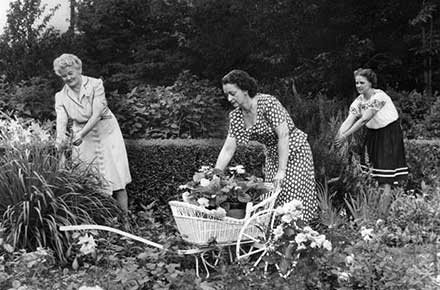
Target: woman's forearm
(282, 132)
(356, 126)
(349, 121)
(94, 119)
(283, 152)
(226, 153)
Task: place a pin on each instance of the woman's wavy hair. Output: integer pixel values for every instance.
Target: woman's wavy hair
(367, 73)
(66, 60)
(242, 80)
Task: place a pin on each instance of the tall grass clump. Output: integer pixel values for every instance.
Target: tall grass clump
(38, 193)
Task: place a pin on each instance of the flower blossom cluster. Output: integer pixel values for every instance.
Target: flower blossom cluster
(367, 234)
(316, 240)
(16, 133)
(88, 244)
(212, 188)
(291, 213)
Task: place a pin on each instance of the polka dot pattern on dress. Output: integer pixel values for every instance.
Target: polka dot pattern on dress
(299, 182)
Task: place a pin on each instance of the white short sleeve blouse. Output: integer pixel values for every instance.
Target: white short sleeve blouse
(380, 102)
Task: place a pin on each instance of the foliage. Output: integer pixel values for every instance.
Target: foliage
(30, 99)
(28, 45)
(38, 195)
(133, 41)
(213, 188)
(158, 167)
(188, 109)
(433, 118)
(293, 239)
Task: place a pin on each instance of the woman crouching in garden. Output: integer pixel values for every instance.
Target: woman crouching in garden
(97, 138)
(383, 149)
(261, 117)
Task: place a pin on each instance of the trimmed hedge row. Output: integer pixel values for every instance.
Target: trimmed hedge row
(158, 167)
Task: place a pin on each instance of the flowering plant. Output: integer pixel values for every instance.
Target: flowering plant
(17, 133)
(213, 188)
(293, 238)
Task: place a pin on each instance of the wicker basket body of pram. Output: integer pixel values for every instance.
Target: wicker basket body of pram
(198, 225)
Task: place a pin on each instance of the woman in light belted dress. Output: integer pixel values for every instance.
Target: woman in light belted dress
(96, 134)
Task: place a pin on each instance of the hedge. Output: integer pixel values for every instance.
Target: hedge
(158, 167)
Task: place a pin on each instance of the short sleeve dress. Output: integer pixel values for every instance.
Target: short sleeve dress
(103, 147)
(300, 177)
(383, 153)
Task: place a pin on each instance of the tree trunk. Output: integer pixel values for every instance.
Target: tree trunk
(429, 80)
(72, 21)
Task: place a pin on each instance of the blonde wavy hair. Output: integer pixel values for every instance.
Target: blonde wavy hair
(66, 60)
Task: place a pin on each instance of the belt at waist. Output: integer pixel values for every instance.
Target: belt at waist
(106, 117)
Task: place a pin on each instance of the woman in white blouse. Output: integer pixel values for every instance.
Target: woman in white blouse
(97, 138)
(384, 140)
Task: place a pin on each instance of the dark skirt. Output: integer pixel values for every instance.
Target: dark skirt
(384, 154)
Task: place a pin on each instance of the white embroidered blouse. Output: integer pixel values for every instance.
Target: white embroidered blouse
(386, 112)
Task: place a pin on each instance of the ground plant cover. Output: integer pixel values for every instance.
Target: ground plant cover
(363, 249)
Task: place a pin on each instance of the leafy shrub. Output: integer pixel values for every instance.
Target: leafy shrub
(188, 109)
(433, 119)
(413, 108)
(38, 195)
(33, 98)
(423, 158)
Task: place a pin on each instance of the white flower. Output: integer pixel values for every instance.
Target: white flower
(327, 245)
(204, 182)
(343, 276)
(204, 168)
(219, 212)
(239, 169)
(88, 245)
(349, 259)
(310, 232)
(367, 234)
(379, 222)
(317, 241)
(183, 186)
(286, 218)
(278, 232)
(186, 197)
(290, 211)
(203, 202)
(300, 238)
(90, 288)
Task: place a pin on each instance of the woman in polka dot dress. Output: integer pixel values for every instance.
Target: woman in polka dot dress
(260, 117)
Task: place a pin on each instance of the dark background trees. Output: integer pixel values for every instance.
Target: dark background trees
(303, 47)
(318, 42)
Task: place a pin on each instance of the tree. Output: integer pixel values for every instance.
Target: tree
(429, 38)
(27, 44)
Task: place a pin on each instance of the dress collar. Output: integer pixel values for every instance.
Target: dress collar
(82, 91)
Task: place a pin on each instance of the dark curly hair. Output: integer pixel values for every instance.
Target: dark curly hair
(242, 80)
(367, 73)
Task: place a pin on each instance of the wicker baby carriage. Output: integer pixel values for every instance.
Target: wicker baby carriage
(199, 226)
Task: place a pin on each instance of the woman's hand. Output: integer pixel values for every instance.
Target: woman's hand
(279, 179)
(77, 139)
(340, 139)
(61, 145)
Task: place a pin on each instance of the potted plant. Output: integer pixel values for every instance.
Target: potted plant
(228, 190)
